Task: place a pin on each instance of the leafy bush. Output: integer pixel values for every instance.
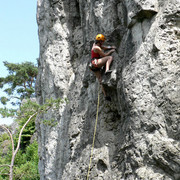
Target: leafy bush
(27, 171)
(27, 163)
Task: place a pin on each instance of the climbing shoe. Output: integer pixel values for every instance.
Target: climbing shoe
(109, 71)
(108, 98)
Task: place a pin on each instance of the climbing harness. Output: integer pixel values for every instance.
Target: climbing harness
(94, 134)
(93, 68)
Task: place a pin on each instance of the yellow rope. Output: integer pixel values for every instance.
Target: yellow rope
(94, 135)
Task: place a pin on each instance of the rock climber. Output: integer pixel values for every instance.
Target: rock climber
(99, 59)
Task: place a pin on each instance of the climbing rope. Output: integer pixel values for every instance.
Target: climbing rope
(94, 135)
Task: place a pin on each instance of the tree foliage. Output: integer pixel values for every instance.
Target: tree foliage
(20, 81)
(19, 86)
(26, 163)
(22, 157)
(20, 161)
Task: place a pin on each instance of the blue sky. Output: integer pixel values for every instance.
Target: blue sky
(18, 34)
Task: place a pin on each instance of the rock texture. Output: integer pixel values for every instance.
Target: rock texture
(138, 132)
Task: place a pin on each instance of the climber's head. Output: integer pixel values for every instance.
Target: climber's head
(100, 38)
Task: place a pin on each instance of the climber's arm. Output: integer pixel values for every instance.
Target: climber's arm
(101, 53)
(108, 47)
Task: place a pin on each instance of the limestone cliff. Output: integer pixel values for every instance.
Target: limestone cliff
(138, 132)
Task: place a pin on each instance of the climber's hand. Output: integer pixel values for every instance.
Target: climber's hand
(112, 50)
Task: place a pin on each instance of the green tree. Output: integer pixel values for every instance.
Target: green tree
(27, 113)
(21, 161)
(18, 85)
(20, 82)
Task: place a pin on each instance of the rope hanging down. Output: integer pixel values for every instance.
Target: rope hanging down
(94, 135)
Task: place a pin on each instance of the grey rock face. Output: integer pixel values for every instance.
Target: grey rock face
(138, 132)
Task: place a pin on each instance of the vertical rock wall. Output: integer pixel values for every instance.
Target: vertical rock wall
(138, 132)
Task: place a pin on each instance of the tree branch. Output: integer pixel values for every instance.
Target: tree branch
(20, 134)
(5, 165)
(16, 97)
(18, 146)
(32, 79)
(25, 84)
(4, 174)
(10, 134)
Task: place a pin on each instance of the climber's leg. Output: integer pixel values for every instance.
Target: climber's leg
(105, 61)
